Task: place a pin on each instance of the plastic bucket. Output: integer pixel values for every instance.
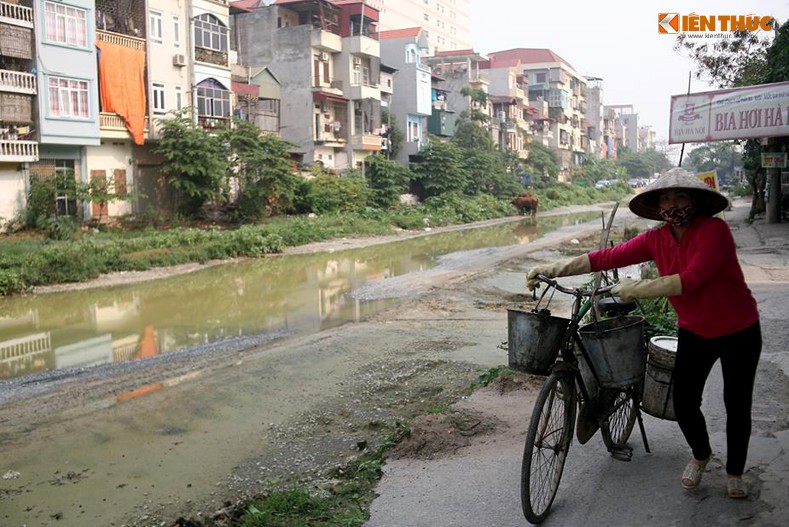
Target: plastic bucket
(616, 350)
(658, 400)
(533, 340)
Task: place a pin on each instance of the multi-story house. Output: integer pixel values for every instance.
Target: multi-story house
(326, 57)
(551, 78)
(441, 122)
(626, 126)
(18, 105)
(646, 138)
(446, 23)
(594, 118)
(509, 95)
(411, 102)
(68, 117)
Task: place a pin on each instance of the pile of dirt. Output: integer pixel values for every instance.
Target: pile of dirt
(434, 435)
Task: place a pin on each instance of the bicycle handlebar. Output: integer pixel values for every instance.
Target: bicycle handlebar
(575, 291)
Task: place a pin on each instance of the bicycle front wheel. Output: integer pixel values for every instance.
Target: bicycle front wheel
(547, 442)
(616, 429)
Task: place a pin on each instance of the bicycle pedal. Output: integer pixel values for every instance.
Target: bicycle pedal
(623, 453)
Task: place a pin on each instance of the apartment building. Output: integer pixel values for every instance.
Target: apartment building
(326, 57)
(551, 78)
(595, 118)
(510, 99)
(404, 50)
(18, 105)
(446, 23)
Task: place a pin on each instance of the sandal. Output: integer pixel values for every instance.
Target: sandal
(736, 488)
(691, 477)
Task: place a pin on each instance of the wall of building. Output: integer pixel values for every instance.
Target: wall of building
(108, 158)
(448, 22)
(12, 192)
(56, 60)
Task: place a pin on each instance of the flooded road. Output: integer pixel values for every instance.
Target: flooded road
(274, 295)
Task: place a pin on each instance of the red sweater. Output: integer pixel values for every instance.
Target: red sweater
(715, 300)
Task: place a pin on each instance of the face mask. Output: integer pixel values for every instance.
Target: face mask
(677, 216)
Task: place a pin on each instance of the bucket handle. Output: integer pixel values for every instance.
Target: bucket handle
(542, 296)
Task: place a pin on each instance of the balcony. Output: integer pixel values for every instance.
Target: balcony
(366, 142)
(217, 58)
(18, 151)
(17, 82)
(364, 46)
(112, 126)
(16, 14)
(326, 41)
(120, 40)
(358, 92)
(330, 138)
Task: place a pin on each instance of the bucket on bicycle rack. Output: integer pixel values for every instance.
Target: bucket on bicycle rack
(616, 350)
(534, 340)
(658, 398)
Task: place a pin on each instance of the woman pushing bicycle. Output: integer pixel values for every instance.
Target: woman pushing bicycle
(699, 272)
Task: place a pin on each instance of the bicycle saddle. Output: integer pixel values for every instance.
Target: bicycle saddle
(615, 306)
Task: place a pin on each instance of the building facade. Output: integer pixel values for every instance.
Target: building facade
(446, 23)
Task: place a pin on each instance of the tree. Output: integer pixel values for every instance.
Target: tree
(485, 164)
(542, 164)
(195, 162)
(479, 102)
(261, 162)
(722, 156)
(387, 179)
(438, 169)
(393, 133)
(644, 164)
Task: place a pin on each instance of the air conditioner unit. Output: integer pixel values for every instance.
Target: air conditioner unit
(357, 60)
(324, 56)
(179, 60)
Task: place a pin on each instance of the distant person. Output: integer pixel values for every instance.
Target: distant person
(718, 319)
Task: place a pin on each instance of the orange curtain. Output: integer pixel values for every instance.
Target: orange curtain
(122, 85)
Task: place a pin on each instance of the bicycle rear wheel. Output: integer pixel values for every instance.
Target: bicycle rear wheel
(547, 442)
(616, 429)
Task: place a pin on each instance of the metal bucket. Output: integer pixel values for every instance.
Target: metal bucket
(658, 398)
(616, 350)
(534, 340)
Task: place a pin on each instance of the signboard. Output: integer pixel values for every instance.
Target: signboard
(774, 160)
(739, 113)
(709, 178)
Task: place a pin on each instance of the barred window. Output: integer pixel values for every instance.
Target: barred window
(66, 25)
(68, 98)
(213, 100)
(210, 33)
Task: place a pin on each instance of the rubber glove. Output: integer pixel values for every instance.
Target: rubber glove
(664, 286)
(577, 265)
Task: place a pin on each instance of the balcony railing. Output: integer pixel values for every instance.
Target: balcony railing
(18, 151)
(366, 142)
(17, 81)
(211, 56)
(121, 40)
(16, 14)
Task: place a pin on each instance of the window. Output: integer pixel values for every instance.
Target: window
(426, 17)
(66, 25)
(158, 97)
(210, 33)
(213, 100)
(179, 103)
(177, 31)
(540, 77)
(68, 98)
(157, 31)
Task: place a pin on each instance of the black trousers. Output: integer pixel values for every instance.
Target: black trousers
(739, 355)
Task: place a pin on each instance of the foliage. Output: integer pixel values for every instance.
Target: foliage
(60, 227)
(438, 169)
(594, 170)
(387, 179)
(479, 100)
(40, 202)
(542, 164)
(261, 162)
(485, 164)
(195, 162)
(491, 375)
(102, 190)
(643, 164)
(330, 193)
(722, 156)
(394, 133)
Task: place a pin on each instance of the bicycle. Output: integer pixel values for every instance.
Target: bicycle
(580, 379)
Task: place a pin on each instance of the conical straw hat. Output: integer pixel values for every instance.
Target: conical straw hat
(707, 201)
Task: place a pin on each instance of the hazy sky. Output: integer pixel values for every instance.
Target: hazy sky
(616, 40)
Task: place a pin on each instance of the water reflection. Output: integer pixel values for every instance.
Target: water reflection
(305, 293)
